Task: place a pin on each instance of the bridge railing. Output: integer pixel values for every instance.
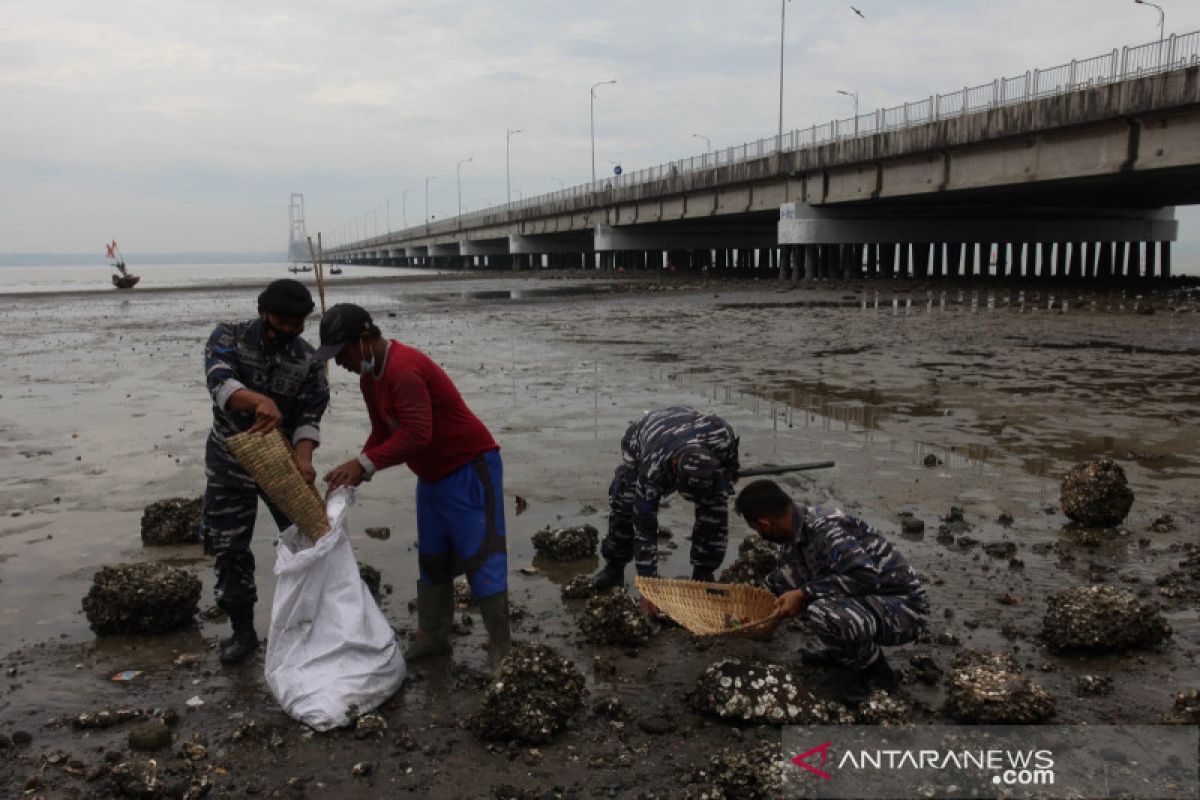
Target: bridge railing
(1175, 52)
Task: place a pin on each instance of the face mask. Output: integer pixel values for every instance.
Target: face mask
(367, 365)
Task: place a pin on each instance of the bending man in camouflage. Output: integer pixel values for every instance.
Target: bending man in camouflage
(261, 376)
(673, 449)
(852, 588)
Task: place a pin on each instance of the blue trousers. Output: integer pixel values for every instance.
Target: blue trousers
(460, 527)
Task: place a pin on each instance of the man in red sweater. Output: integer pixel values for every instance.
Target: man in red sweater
(419, 418)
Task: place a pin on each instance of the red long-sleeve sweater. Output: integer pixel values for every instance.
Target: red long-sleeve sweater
(419, 418)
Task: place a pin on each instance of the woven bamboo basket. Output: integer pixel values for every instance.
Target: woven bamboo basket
(267, 457)
(714, 609)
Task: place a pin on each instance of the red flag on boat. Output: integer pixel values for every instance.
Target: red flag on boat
(112, 249)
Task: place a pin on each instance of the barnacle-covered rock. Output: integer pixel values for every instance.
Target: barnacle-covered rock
(984, 687)
(614, 618)
(882, 708)
(744, 691)
(141, 598)
(1096, 493)
(175, 520)
(1186, 710)
(1093, 685)
(566, 544)
(462, 593)
(581, 587)
(757, 558)
(138, 776)
(1103, 618)
(95, 720)
(745, 774)
(532, 697)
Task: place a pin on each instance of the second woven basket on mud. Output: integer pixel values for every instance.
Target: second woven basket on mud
(268, 459)
(714, 609)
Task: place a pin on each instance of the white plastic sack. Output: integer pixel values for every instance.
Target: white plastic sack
(330, 651)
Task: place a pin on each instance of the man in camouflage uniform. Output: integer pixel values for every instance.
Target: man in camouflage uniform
(673, 449)
(261, 376)
(852, 588)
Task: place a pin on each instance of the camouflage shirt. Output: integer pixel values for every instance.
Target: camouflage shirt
(238, 356)
(836, 554)
(652, 442)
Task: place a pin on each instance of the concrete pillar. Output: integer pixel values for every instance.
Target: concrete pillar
(1045, 256)
(1135, 260)
(873, 252)
(1151, 258)
(954, 259)
(1119, 259)
(796, 258)
(1165, 252)
(903, 260)
(1107, 253)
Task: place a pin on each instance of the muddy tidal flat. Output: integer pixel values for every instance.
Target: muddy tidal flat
(928, 398)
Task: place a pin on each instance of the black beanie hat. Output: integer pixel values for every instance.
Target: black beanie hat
(287, 297)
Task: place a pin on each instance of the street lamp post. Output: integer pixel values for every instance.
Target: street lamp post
(366, 217)
(464, 161)
(593, 123)
(389, 214)
(509, 133)
(1161, 16)
(855, 96)
(375, 212)
(707, 141)
(427, 180)
(404, 208)
(782, 29)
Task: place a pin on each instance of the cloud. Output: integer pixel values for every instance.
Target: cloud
(233, 106)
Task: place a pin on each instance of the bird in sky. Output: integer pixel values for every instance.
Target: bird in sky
(856, 11)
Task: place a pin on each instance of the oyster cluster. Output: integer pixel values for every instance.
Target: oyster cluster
(462, 593)
(882, 708)
(175, 520)
(534, 694)
(141, 598)
(1186, 710)
(1093, 685)
(581, 587)
(1096, 494)
(614, 618)
(747, 774)
(566, 544)
(983, 687)
(743, 691)
(1103, 618)
(757, 558)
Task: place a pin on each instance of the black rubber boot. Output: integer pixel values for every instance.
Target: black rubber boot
(611, 576)
(877, 677)
(494, 610)
(435, 615)
(704, 574)
(244, 641)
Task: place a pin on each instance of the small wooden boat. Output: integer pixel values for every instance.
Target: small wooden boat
(123, 279)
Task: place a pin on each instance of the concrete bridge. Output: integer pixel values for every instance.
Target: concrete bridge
(1071, 172)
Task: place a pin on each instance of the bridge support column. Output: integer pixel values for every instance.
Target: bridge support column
(1120, 269)
(1135, 260)
(1166, 259)
(1151, 258)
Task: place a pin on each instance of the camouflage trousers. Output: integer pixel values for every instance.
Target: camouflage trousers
(226, 527)
(625, 541)
(854, 628)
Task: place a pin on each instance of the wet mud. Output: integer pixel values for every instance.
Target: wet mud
(1006, 389)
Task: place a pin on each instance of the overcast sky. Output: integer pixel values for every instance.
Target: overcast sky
(184, 126)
